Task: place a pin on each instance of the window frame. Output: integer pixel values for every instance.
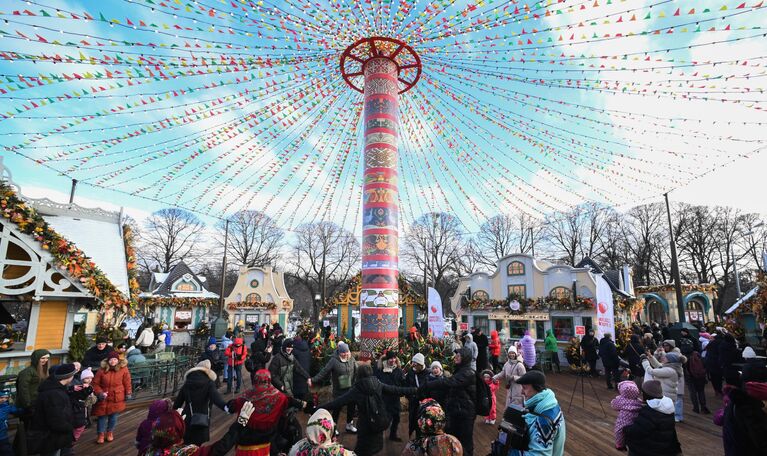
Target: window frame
(566, 337)
(522, 294)
(486, 296)
(484, 323)
(509, 271)
(18, 345)
(567, 290)
(540, 335)
(512, 323)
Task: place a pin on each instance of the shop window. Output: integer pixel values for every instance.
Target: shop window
(14, 323)
(517, 328)
(560, 293)
(183, 318)
(515, 268)
(481, 295)
(253, 298)
(540, 330)
(498, 325)
(694, 311)
(185, 283)
(563, 328)
(482, 323)
(520, 290)
(655, 311)
(587, 322)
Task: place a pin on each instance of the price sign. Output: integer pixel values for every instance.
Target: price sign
(580, 330)
(464, 326)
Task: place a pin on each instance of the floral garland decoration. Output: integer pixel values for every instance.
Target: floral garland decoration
(254, 305)
(177, 301)
(130, 260)
(686, 288)
(65, 253)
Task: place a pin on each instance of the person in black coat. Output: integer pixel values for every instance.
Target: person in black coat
(653, 432)
(416, 376)
(216, 359)
(303, 358)
(728, 352)
(482, 343)
(610, 360)
(196, 395)
(94, 355)
(53, 417)
(369, 442)
(632, 353)
(389, 373)
(461, 392)
(713, 366)
(589, 346)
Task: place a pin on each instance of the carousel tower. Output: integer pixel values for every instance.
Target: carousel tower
(382, 69)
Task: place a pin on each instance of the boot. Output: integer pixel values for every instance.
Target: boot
(109, 436)
(100, 438)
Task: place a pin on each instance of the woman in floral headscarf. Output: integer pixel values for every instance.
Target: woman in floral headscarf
(319, 438)
(431, 422)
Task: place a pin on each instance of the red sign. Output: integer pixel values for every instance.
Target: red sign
(580, 330)
(464, 326)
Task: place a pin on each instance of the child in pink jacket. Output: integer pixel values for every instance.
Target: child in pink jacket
(487, 375)
(627, 403)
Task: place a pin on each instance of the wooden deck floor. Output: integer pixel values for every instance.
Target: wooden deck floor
(589, 432)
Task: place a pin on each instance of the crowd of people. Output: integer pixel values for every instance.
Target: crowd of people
(651, 374)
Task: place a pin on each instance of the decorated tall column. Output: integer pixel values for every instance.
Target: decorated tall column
(387, 68)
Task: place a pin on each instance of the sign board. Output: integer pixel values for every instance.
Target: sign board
(184, 315)
(535, 316)
(463, 326)
(251, 318)
(436, 320)
(694, 315)
(580, 330)
(605, 313)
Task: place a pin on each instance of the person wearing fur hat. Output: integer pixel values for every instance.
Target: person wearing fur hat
(546, 424)
(342, 369)
(319, 438)
(53, 417)
(511, 372)
(416, 376)
(653, 432)
(390, 373)
(112, 386)
(196, 396)
(744, 422)
(282, 367)
(432, 440)
(169, 428)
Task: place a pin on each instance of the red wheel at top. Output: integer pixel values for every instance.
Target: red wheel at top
(356, 55)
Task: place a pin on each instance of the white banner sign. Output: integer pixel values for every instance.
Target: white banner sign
(605, 314)
(436, 320)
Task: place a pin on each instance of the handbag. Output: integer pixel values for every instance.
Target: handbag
(198, 419)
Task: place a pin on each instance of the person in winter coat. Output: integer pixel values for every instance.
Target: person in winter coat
(487, 377)
(482, 343)
(728, 352)
(550, 344)
(169, 429)
(197, 395)
(713, 366)
(319, 439)
(610, 360)
(215, 357)
(81, 398)
(744, 430)
(94, 355)
(260, 341)
(648, 343)
(653, 432)
(573, 353)
(260, 361)
(468, 341)
(704, 338)
(528, 350)
(235, 357)
(437, 372)
(6, 409)
(270, 406)
(461, 393)
(433, 440)
(512, 371)
(137, 364)
(303, 358)
(369, 442)
(342, 369)
(112, 385)
(633, 353)
(390, 373)
(415, 377)
(27, 384)
(627, 404)
(53, 418)
(495, 350)
(589, 347)
(283, 366)
(668, 371)
(145, 339)
(548, 432)
(695, 378)
(144, 431)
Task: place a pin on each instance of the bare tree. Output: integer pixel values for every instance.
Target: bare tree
(496, 239)
(697, 242)
(324, 257)
(254, 238)
(169, 236)
(643, 229)
(579, 232)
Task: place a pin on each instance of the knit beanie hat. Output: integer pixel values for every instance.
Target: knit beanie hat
(343, 347)
(212, 340)
(5, 393)
(672, 357)
(101, 340)
(390, 355)
(63, 371)
(436, 364)
(653, 389)
(748, 353)
(418, 358)
(86, 373)
(670, 342)
(113, 354)
(533, 377)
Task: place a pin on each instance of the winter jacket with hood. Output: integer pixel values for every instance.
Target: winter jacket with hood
(744, 424)
(146, 338)
(339, 371)
(512, 370)
(495, 344)
(236, 353)
(609, 353)
(303, 358)
(93, 356)
(472, 346)
(482, 344)
(393, 376)
(589, 346)
(551, 341)
(116, 382)
(461, 388)
(200, 391)
(547, 436)
(653, 432)
(667, 374)
(528, 349)
(53, 413)
(28, 381)
(282, 368)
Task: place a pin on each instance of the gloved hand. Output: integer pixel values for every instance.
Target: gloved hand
(129, 397)
(245, 412)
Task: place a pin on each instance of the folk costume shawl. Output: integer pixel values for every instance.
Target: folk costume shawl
(431, 422)
(319, 438)
(268, 401)
(168, 437)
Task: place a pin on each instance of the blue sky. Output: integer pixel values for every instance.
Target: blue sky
(515, 112)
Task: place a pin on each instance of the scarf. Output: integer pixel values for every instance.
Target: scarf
(431, 417)
(319, 437)
(269, 402)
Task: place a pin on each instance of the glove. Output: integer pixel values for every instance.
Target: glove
(245, 412)
(129, 397)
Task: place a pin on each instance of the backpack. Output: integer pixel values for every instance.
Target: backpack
(377, 418)
(695, 366)
(483, 401)
(686, 346)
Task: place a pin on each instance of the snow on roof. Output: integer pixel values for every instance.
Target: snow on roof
(98, 239)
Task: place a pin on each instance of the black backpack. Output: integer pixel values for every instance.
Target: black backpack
(686, 346)
(483, 401)
(377, 418)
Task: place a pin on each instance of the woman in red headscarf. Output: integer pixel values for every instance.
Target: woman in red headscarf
(269, 405)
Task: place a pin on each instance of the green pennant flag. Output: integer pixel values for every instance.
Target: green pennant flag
(102, 18)
(45, 13)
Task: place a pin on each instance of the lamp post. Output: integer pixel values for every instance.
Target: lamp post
(675, 266)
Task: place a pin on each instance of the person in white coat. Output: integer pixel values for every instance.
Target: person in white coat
(468, 342)
(511, 372)
(145, 339)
